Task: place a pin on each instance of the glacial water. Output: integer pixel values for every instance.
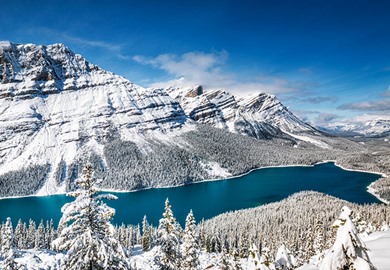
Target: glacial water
(208, 199)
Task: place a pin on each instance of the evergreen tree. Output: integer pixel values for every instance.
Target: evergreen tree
(190, 248)
(130, 243)
(7, 251)
(25, 236)
(319, 241)
(253, 258)
(266, 262)
(236, 263)
(216, 243)
(361, 225)
(168, 240)
(137, 236)
(223, 263)
(284, 259)
(309, 250)
(244, 244)
(31, 234)
(201, 235)
(208, 244)
(87, 235)
(40, 236)
(348, 251)
(19, 235)
(50, 233)
(122, 235)
(145, 234)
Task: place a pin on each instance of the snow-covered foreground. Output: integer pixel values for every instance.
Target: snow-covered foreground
(379, 245)
(377, 242)
(379, 251)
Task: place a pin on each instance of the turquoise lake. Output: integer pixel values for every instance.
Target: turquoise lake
(208, 199)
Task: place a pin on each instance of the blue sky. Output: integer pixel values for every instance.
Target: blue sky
(326, 60)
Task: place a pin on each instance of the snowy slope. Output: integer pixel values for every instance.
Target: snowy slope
(379, 246)
(55, 106)
(260, 116)
(377, 242)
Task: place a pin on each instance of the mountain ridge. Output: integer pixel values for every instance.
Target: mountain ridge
(260, 115)
(366, 126)
(58, 111)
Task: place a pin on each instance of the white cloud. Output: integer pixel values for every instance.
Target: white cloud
(92, 43)
(318, 118)
(378, 105)
(323, 119)
(207, 69)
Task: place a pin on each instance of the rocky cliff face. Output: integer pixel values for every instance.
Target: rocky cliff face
(54, 105)
(260, 116)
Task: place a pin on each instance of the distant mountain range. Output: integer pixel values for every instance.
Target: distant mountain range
(58, 111)
(367, 126)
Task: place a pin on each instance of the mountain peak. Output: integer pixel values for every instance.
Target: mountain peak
(55, 104)
(4, 44)
(21, 62)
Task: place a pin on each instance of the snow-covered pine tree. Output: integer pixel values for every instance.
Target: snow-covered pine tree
(215, 243)
(7, 251)
(190, 248)
(236, 263)
(123, 235)
(319, 239)
(348, 251)
(40, 236)
(31, 234)
(168, 239)
(201, 234)
(145, 234)
(50, 233)
(253, 258)
(244, 244)
(18, 235)
(309, 250)
(25, 236)
(361, 225)
(137, 235)
(384, 227)
(224, 261)
(266, 262)
(284, 258)
(130, 243)
(87, 236)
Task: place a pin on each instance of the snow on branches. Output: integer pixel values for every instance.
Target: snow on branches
(87, 235)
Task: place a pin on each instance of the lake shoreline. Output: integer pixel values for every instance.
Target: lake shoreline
(185, 184)
(254, 188)
(370, 189)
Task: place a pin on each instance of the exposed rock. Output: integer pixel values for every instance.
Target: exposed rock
(260, 116)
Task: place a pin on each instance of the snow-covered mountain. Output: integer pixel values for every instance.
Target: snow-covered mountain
(365, 125)
(260, 116)
(58, 111)
(55, 105)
